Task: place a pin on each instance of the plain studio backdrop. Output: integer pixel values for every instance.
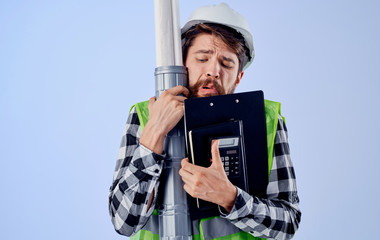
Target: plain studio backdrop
(70, 70)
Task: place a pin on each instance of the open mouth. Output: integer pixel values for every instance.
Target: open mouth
(208, 89)
(208, 86)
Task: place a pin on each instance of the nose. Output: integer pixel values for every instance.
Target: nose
(213, 69)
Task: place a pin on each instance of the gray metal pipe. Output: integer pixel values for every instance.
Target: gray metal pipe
(168, 33)
(173, 215)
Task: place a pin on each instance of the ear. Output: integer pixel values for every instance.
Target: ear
(238, 78)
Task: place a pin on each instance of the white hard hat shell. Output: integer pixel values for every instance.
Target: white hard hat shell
(222, 14)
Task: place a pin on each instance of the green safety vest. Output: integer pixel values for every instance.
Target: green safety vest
(211, 227)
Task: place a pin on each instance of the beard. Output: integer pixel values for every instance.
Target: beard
(194, 89)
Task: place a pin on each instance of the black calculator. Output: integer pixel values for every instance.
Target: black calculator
(232, 155)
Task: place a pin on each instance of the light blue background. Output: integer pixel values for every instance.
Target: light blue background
(70, 70)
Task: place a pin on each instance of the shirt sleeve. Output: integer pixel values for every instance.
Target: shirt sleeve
(136, 175)
(277, 216)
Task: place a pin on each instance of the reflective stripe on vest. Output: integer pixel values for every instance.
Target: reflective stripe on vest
(212, 227)
(204, 229)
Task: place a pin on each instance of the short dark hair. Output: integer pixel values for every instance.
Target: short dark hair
(229, 36)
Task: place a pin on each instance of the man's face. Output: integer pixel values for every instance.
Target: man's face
(212, 67)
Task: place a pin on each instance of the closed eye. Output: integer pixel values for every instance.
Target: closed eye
(228, 65)
(228, 62)
(202, 59)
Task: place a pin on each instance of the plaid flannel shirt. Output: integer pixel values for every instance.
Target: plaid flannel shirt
(137, 174)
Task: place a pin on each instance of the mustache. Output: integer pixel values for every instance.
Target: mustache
(200, 84)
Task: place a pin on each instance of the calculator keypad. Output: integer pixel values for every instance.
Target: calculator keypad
(231, 164)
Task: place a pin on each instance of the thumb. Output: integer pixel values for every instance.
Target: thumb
(216, 161)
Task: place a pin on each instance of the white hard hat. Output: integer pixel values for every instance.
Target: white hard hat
(223, 14)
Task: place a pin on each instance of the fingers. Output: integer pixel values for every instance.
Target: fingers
(186, 175)
(179, 90)
(166, 111)
(193, 177)
(152, 100)
(172, 98)
(188, 189)
(185, 167)
(190, 173)
(180, 98)
(189, 167)
(172, 94)
(184, 161)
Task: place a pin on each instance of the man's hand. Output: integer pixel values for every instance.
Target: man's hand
(164, 114)
(210, 184)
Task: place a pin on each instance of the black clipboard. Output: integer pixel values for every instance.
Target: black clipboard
(247, 107)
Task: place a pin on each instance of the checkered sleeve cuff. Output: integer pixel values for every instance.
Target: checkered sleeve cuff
(146, 152)
(241, 207)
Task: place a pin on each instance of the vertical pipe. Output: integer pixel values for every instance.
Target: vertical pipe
(174, 221)
(177, 46)
(164, 33)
